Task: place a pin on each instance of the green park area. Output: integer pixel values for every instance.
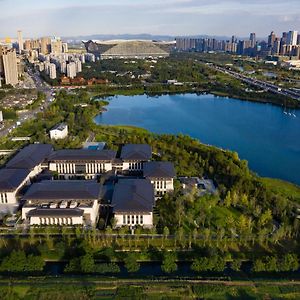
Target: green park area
(249, 228)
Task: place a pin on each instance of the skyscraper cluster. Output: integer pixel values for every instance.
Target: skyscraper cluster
(50, 55)
(69, 64)
(44, 45)
(287, 45)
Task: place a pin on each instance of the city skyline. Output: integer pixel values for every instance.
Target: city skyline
(172, 17)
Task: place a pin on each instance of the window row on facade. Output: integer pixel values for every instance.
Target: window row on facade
(133, 219)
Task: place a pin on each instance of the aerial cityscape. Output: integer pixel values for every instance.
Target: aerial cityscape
(155, 158)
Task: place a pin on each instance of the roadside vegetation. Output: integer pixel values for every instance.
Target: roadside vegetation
(101, 288)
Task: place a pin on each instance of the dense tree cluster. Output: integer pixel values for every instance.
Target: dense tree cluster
(19, 262)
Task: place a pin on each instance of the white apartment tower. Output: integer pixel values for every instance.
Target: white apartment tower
(71, 70)
(52, 71)
(20, 41)
(8, 65)
(78, 66)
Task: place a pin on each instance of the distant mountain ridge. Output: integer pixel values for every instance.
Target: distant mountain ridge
(142, 36)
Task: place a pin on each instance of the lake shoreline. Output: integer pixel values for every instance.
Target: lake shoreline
(290, 104)
(162, 125)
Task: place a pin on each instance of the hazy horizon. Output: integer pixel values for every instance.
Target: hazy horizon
(170, 17)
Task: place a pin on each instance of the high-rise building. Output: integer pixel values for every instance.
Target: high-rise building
(271, 40)
(8, 65)
(71, 70)
(45, 45)
(78, 66)
(276, 47)
(298, 39)
(63, 67)
(64, 47)
(35, 44)
(20, 41)
(27, 45)
(52, 71)
(252, 40)
(292, 38)
(56, 46)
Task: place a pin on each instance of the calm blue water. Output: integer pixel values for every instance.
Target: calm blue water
(260, 133)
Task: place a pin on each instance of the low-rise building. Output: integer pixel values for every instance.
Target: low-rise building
(11, 182)
(201, 186)
(133, 202)
(161, 174)
(58, 132)
(134, 156)
(62, 203)
(81, 163)
(33, 157)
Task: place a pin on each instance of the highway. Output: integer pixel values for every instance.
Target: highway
(259, 83)
(30, 114)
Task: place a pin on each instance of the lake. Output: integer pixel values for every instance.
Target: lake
(260, 133)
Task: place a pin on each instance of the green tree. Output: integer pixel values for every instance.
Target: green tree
(259, 266)
(236, 265)
(289, 262)
(200, 264)
(15, 262)
(34, 263)
(169, 264)
(131, 263)
(87, 263)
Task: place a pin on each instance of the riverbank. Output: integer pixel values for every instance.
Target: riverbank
(163, 89)
(107, 288)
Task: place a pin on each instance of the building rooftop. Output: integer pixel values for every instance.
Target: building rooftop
(133, 196)
(56, 212)
(59, 190)
(30, 156)
(136, 152)
(83, 155)
(10, 179)
(159, 169)
(60, 127)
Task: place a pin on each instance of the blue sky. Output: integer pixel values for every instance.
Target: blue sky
(173, 17)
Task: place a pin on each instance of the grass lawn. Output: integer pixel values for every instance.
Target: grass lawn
(283, 188)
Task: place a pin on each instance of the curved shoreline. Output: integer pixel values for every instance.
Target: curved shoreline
(156, 124)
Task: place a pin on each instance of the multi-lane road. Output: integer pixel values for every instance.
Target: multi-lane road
(267, 86)
(30, 114)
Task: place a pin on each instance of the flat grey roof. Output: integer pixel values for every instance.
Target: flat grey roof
(64, 190)
(133, 196)
(159, 169)
(30, 156)
(83, 155)
(136, 152)
(55, 212)
(60, 127)
(10, 179)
